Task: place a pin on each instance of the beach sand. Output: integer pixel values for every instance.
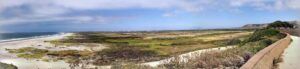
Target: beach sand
(21, 63)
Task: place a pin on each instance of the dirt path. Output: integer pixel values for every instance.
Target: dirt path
(291, 55)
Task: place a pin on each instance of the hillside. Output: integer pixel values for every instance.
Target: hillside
(263, 25)
(254, 26)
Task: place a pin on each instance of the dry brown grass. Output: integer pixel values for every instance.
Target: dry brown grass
(224, 36)
(227, 59)
(232, 58)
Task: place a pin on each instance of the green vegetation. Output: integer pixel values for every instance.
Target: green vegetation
(65, 53)
(137, 47)
(35, 53)
(29, 52)
(124, 54)
(280, 24)
(7, 66)
(264, 34)
(230, 58)
(150, 46)
(134, 47)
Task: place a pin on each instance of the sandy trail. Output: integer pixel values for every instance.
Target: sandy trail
(291, 55)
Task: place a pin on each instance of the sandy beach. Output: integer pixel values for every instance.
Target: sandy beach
(21, 63)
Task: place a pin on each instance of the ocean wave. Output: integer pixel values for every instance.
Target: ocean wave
(32, 37)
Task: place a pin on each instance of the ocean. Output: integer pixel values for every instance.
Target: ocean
(19, 36)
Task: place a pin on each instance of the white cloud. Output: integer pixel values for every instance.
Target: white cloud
(267, 4)
(56, 6)
(47, 10)
(50, 10)
(169, 14)
(123, 4)
(70, 19)
(60, 6)
(294, 4)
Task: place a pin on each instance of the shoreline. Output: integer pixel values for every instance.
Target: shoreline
(22, 63)
(34, 37)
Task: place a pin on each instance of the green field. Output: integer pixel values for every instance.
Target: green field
(135, 47)
(150, 46)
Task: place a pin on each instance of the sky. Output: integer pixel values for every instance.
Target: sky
(140, 15)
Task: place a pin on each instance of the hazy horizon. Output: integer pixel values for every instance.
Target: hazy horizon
(142, 15)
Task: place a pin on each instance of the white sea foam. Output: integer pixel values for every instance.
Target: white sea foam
(33, 37)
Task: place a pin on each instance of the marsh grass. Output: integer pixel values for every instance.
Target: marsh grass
(228, 59)
(35, 53)
(29, 52)
(125, 54)
(137, 47)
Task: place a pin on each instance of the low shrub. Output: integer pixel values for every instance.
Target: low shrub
(31, 56)
(70, 53)
(280, 24)
(266, 42)
(7, 66)
(231, 58)
(263, 34)
(131, 66)
(65, 53)
(233, 42)
(27, 49)
(124, 53)
(29, 52)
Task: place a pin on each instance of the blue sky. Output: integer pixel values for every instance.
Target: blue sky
(135, 15)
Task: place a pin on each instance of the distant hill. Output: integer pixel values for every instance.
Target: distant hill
(297, 30)
(259, 26)
(254, 26)
(296, 23)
